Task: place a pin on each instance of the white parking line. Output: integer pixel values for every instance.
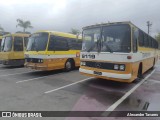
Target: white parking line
(41, 77)
(68, 85)
(118, 102)
(15, 74)
(31, 79)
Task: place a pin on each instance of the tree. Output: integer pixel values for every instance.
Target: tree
(75, 31)
(24, 24)
(157, 37)
(1, 29)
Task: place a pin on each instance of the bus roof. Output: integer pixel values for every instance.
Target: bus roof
(109, 23)
(63, 34)
(112, 23)
(18, 34)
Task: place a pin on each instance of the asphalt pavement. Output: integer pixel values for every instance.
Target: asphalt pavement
(23, 89)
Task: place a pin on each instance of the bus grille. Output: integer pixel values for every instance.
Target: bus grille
(100, 65)
(33, 60)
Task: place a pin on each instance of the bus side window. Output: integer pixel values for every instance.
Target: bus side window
(51, 43)
(74, 44)
(154, 44)
(135, 39)
(141, 38)
(149, 40)
(146, 40)
(61, 44)
(58, 44)
(18, 44)
(157, 45)
(151, 43)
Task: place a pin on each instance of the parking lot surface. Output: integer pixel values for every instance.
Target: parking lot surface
(23, 89)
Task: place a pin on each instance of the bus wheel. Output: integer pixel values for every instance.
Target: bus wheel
(140, 75)
(68, 65)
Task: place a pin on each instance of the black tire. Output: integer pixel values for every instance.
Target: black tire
(140, 75)
(68, 65)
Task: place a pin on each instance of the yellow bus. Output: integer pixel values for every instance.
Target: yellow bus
(117, 51)
(51, 50)
(12, 49)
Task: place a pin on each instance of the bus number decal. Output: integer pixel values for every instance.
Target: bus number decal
(88, 56)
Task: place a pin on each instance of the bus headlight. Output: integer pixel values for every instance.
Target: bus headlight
(116, 67)
(83, 63)
(122, 67)
(41, 60)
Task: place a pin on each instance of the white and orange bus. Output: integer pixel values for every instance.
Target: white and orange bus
(117, 51)
(51, 50)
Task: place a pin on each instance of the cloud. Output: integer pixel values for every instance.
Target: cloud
(62, 15)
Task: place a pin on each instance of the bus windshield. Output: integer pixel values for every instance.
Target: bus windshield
(90, 39)
(37, 42)
(113, 38)
(6, 44)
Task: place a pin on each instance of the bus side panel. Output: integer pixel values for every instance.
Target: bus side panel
(55, 63)
(18, 55)
(77, 61)
(135, 67)
(147, 64)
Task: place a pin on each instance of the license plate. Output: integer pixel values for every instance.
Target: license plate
(97, 73)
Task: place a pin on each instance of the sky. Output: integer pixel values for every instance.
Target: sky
(62, 15)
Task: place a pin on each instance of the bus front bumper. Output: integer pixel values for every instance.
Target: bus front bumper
(35, 66)
(106, 74)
